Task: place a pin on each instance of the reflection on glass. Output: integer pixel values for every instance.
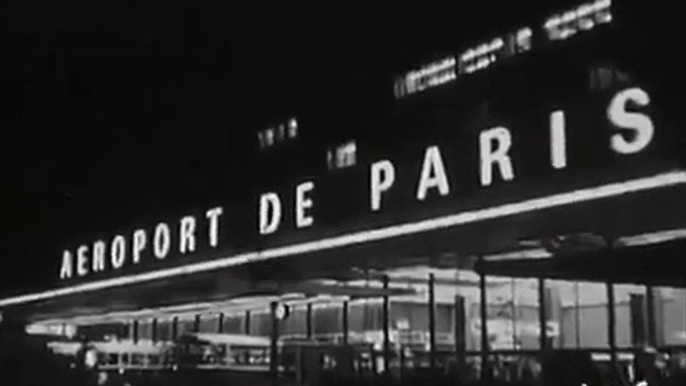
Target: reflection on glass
(327, 320)
(209, 323)
(260, 322)
(292, 128)
(296, 323)
(670, 315)
(164, 329)
(234, 323)
(579, 310)
(513, 316)
(631, 314)
(186, 325)
(145, 329)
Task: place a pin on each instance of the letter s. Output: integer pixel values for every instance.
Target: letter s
(640, 124)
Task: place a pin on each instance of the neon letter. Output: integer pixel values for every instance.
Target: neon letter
(98, 256)
(433, 174)
(213, 215)
(302, 203)
(269, 200)
(161, 240)
(640, 124)
(187, 234)
(383, 177)
(118, 253)
(66, 270)
(499, 156)
(82, 261)
(140, 239)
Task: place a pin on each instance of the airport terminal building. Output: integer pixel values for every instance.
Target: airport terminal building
(537, 204)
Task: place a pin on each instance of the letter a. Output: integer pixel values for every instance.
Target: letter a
(433, 174)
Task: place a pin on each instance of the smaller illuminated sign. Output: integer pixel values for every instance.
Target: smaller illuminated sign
(292, 128)
(278, 133)
(481, 56)
(485, 54)
(431, 75)
(582, 18)
(342, 156)
(471, 60)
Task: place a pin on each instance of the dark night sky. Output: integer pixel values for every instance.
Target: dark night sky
(119, 111)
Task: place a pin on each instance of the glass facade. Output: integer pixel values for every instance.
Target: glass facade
(576, 313)
(576, 316)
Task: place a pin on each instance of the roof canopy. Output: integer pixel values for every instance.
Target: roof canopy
(660, 265)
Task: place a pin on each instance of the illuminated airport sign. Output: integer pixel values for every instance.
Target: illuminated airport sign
(428, 76)
(559, 26)
(582, 18)
(473, 59)
(494, 155)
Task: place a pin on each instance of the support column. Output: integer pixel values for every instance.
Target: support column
(432, 322)
(196, 323)
(246, 326)
(459, 331)
(650, 311)
(154, 330)
(308, 321)
(386, 331)
(345, 322)
(577, 314)
(543, 314)
(274, 348)
(484, 327)
(220, 323)
(175, 327)
(513, 309)
(611, 325)
(134, 331)
(611, 316)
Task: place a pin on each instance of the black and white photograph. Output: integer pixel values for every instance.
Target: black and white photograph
(292, 193)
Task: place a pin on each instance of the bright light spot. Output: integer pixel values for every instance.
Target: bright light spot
(269, 135)
(586, 24)
(585, 10)
(91, 359)
(553, 22)
(524, 33)
(605, 18)
(568, 16)
(292, 128)
(602, 4)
